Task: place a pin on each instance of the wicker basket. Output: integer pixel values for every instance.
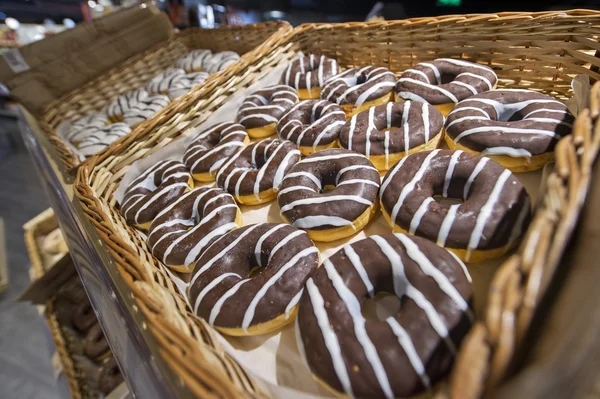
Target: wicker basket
(136, 72)
(540, 51)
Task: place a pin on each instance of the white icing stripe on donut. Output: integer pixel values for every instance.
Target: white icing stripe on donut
(325, 131)
(192, 256)
(509, 151)
(249, 315)
(478, 168)
(284, 241)
(416, 220)
(210, 286)
(559, 111)
(447, 225)
(485, 213)
(411, 96)
(259, 243)
(278, 177)
(505, 111)
(296, 188)
(320, 72)
(264, 117)
(365, 96)
(462, 265)
(215, 150)
(216, 198)
(350, 168)
(156, 196)
(370, 126)
(182, 198)
(310, 222)
(386, 148)
(353, 306)
(321, 200)
(304, 174)
(464, 63)
(518, 226)
(333, 91)
(262, 170)
(420, 73)
(436, 72)
(388, 114)
(407, 345)
(351, 131)
(239, 182)
(463, 84)
(358, 181)
(461, 108)
(358, 266)
(405, 126)
(408, 188)
(214, 313)
(329, 336)
(551, 120)
(445, 92)
(467, 118)
(328, 157)
(481, 77)
(387, 181)
(293, 302)
(425, 118)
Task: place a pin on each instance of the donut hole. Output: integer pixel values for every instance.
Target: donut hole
(328, 188)
(448, 201)
(448, 76)
(255, 271)
(381, 306)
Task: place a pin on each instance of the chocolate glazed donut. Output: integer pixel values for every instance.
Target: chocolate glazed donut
(181, 231)
(355, 90)
(313, 125)
(517, 128)
(250, 280)
(404, 354)
(212, 147)
(493, 215)
(109, 375)
(153, 190)
(444, 82)
(261, 111)
(307, 75)
(387, 133)
(254, 173)
(338, 213)
(84, 317)
(95, 345)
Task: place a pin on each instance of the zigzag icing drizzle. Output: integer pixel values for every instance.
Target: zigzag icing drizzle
(123, 103)
(145, 109)
(357, 86)
(76, 131)
(193, 61)
(184, 83)
(97, 139)
(309, 72)
(266, 106)
(161, 83)
(219, 61)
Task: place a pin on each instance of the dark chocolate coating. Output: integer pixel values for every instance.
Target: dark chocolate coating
(445, 80)
(109, 375)
(211, 147)
(225, 267)
(312, 123)
(356, 184)
(191, 223)
(413, 281)
(266, 106)
(84, 317)
(357, 86)
(420, 176)
(265, 162)
(153, 190)
(95, 344)
(509, 118)
(309, 71)
(383, 129)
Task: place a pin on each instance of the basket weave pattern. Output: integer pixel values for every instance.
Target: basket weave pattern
(540, 51)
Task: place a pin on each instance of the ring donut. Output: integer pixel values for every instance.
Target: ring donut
(250, 280)
(313, 125)
(182, 84)
(308, 74)
(261, 111)
(109, 375)
(444, 82)
(387, 133)
(100, 138)
(356, 90)
(219, 61)
(116, 110)
(188, 225)
(337, 213)
(409, 351)
(95, 345)
(516, 128)
(193, 61)
(254, 173)
(145, 109)
(212, 147)
(78, 130)
(153, 190)
(494, 213)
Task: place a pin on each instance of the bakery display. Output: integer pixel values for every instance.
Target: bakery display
(444, 82)
(250, 280)
(161, 83)
(254, 173)
(516, 128)
(209, 150)
(145, 109)
(358, 89)
(184, 83)
(153, 190)
(494, 212)
(314, 125)
(331, 194)
(193, 61)
(98, 138)
(116, 110)
(388, 132)
(409, 351)
(260, 112)
(189, 224)
(308, 74)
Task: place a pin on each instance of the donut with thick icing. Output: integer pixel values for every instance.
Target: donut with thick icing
(145, 109)
(260, 112)
(211, 149)
(308, 74)
(188, 225)
(313, 125)
(358, 89)
(331, 194)
(95, 345)
(409, 351)
(193, 61)
(516, 128)
(76, 131)
(254, 173)
(99, 138)
(116, 110)
(153, 190)
(160, 83)
(493, 215)
(219, 61)
(184, 83)
(387, 133)
(444, 82)
(250, 280)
